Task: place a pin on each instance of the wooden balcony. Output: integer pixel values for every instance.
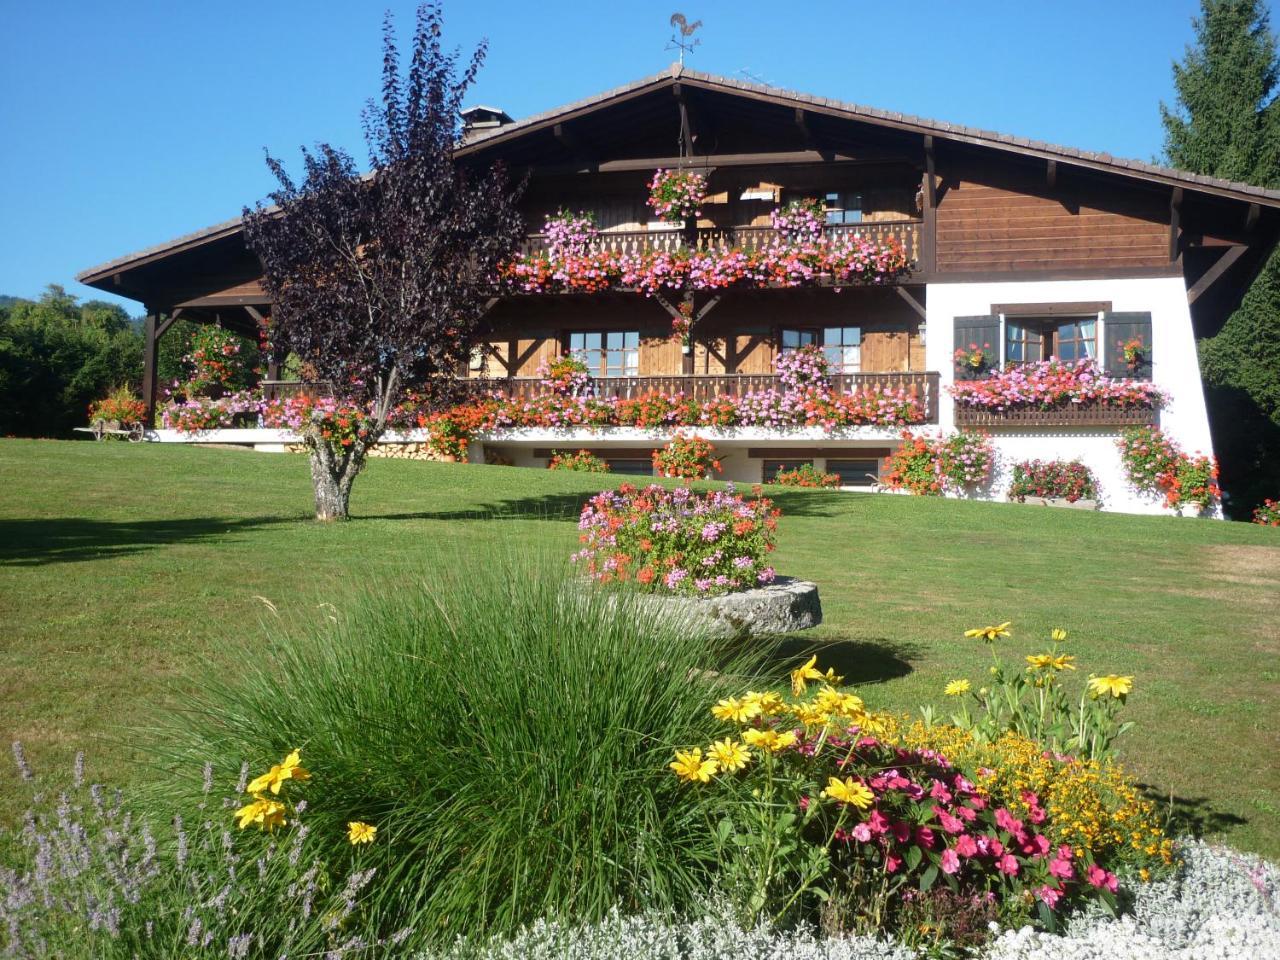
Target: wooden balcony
(704, 387)
(906, 232)
(1071, 416)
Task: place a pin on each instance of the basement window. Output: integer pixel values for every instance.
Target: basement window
(855, 473)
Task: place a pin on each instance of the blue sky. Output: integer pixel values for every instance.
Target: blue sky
(125, 124)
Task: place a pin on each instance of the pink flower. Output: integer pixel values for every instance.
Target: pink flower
(862, 832)
(925, 838)
(901, 831)
(1039, 845)
(949, 823)
(1008, 864)
(966, 846)
(1049, 896)
(891, 863)
(878, 823)
(940, 792)
(1103, 879)
(1062, 869)
(950, 862)
(1007, 822)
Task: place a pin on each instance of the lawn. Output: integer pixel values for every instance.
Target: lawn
(126, 569)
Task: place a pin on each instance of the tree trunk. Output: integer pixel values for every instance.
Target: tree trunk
(332, 475)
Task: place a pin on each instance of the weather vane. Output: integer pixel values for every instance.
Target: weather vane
(684, 30)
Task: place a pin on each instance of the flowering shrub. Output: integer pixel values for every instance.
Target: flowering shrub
(686, 458)
(839, 261)
(841, 806)
(584, 461)
(566, 375)
(973, 360)
(1154, 464)
(211, 361)
(119, 405)
(1267, 515)
(677, 195)
(336, 423)
(1070, 481)
(1050, 384)
(801, 221)
(569, 234)
(678, 541)
(930, 466)
(805, 475)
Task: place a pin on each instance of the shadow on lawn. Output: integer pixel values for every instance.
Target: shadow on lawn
(34, 543)
(1191, 815)
(870, 660)
(568, 506)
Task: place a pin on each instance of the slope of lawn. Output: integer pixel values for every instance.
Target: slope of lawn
(125, 569)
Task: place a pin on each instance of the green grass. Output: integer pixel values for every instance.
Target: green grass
(123, 566)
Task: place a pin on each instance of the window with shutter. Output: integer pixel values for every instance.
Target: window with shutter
(977, 333)
(1126, 346)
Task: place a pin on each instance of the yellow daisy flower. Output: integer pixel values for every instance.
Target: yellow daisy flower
(690, 765)
(1112, 684)
(989, 634)
(289, 768)
(733, 710)
(360, 832)
(956, 688)
(801, 675)
(770, 704)
(1058, 635)
(729, 754)
(263, 811)
(849, 791)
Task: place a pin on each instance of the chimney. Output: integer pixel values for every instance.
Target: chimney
(481, 119)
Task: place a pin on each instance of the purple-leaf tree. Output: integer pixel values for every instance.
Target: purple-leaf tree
(379, 282)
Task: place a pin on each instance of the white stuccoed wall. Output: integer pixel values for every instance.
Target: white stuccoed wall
(1174, 363)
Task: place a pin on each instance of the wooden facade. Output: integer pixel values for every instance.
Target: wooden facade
(967, 205)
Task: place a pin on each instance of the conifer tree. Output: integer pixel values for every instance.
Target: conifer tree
(1226, 123)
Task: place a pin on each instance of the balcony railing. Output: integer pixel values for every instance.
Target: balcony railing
(659, 240)
(1072, 416)
(704, 387)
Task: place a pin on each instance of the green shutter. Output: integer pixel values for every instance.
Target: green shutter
(984, 332)
(1118, 329)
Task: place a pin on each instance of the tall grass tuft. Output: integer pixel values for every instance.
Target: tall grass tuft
(506, 728)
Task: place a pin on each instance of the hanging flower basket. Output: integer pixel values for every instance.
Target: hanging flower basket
(677, 195)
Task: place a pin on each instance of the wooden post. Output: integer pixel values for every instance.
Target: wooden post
(929, 199)
(149, 366)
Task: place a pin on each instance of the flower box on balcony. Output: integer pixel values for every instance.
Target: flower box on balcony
(1075, 415)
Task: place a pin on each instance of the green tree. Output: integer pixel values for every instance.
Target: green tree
(1226, 123)
(57, 356)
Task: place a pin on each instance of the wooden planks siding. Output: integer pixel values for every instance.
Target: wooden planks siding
(1024, 225)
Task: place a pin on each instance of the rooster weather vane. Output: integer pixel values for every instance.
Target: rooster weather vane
(680, 40)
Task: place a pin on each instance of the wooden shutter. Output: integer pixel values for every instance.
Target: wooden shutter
(1117, 328)
(983, 331)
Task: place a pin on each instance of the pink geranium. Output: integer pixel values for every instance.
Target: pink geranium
(950, 862)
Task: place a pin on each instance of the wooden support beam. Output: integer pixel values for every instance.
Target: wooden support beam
(254, 312)
(667, 305)
(688, 119)
(806, 133)
(1214, 273)
(1175, 224)
(721, 160)
(929, 218)
(1051, 174)
(1251, 218)
(707, 307)
(150, 363)
(915, 304)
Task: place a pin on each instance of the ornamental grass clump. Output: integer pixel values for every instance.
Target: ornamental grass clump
(504, 729)
(678, 541)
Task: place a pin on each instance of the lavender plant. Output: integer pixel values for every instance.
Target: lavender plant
(87, 876)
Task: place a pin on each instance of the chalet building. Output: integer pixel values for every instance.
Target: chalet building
(1028, 249)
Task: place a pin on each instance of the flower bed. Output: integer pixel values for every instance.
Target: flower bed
(1053, 479)
(1154, 464)
(686, 458)
(805, 475)
(119, 406)
(931, 466)
(199, 414)
(1268, 514)
(1055, 384)
(677, 541)
(584, 461)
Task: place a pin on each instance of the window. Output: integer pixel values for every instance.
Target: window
(855, 473)
(843, 348)
(771, 467)
(611, 353)
(632, 467)
(1027, 340)
(843, 207)
(795, 339)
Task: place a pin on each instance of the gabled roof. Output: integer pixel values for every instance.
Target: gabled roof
(480, 140)
(902, 121)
